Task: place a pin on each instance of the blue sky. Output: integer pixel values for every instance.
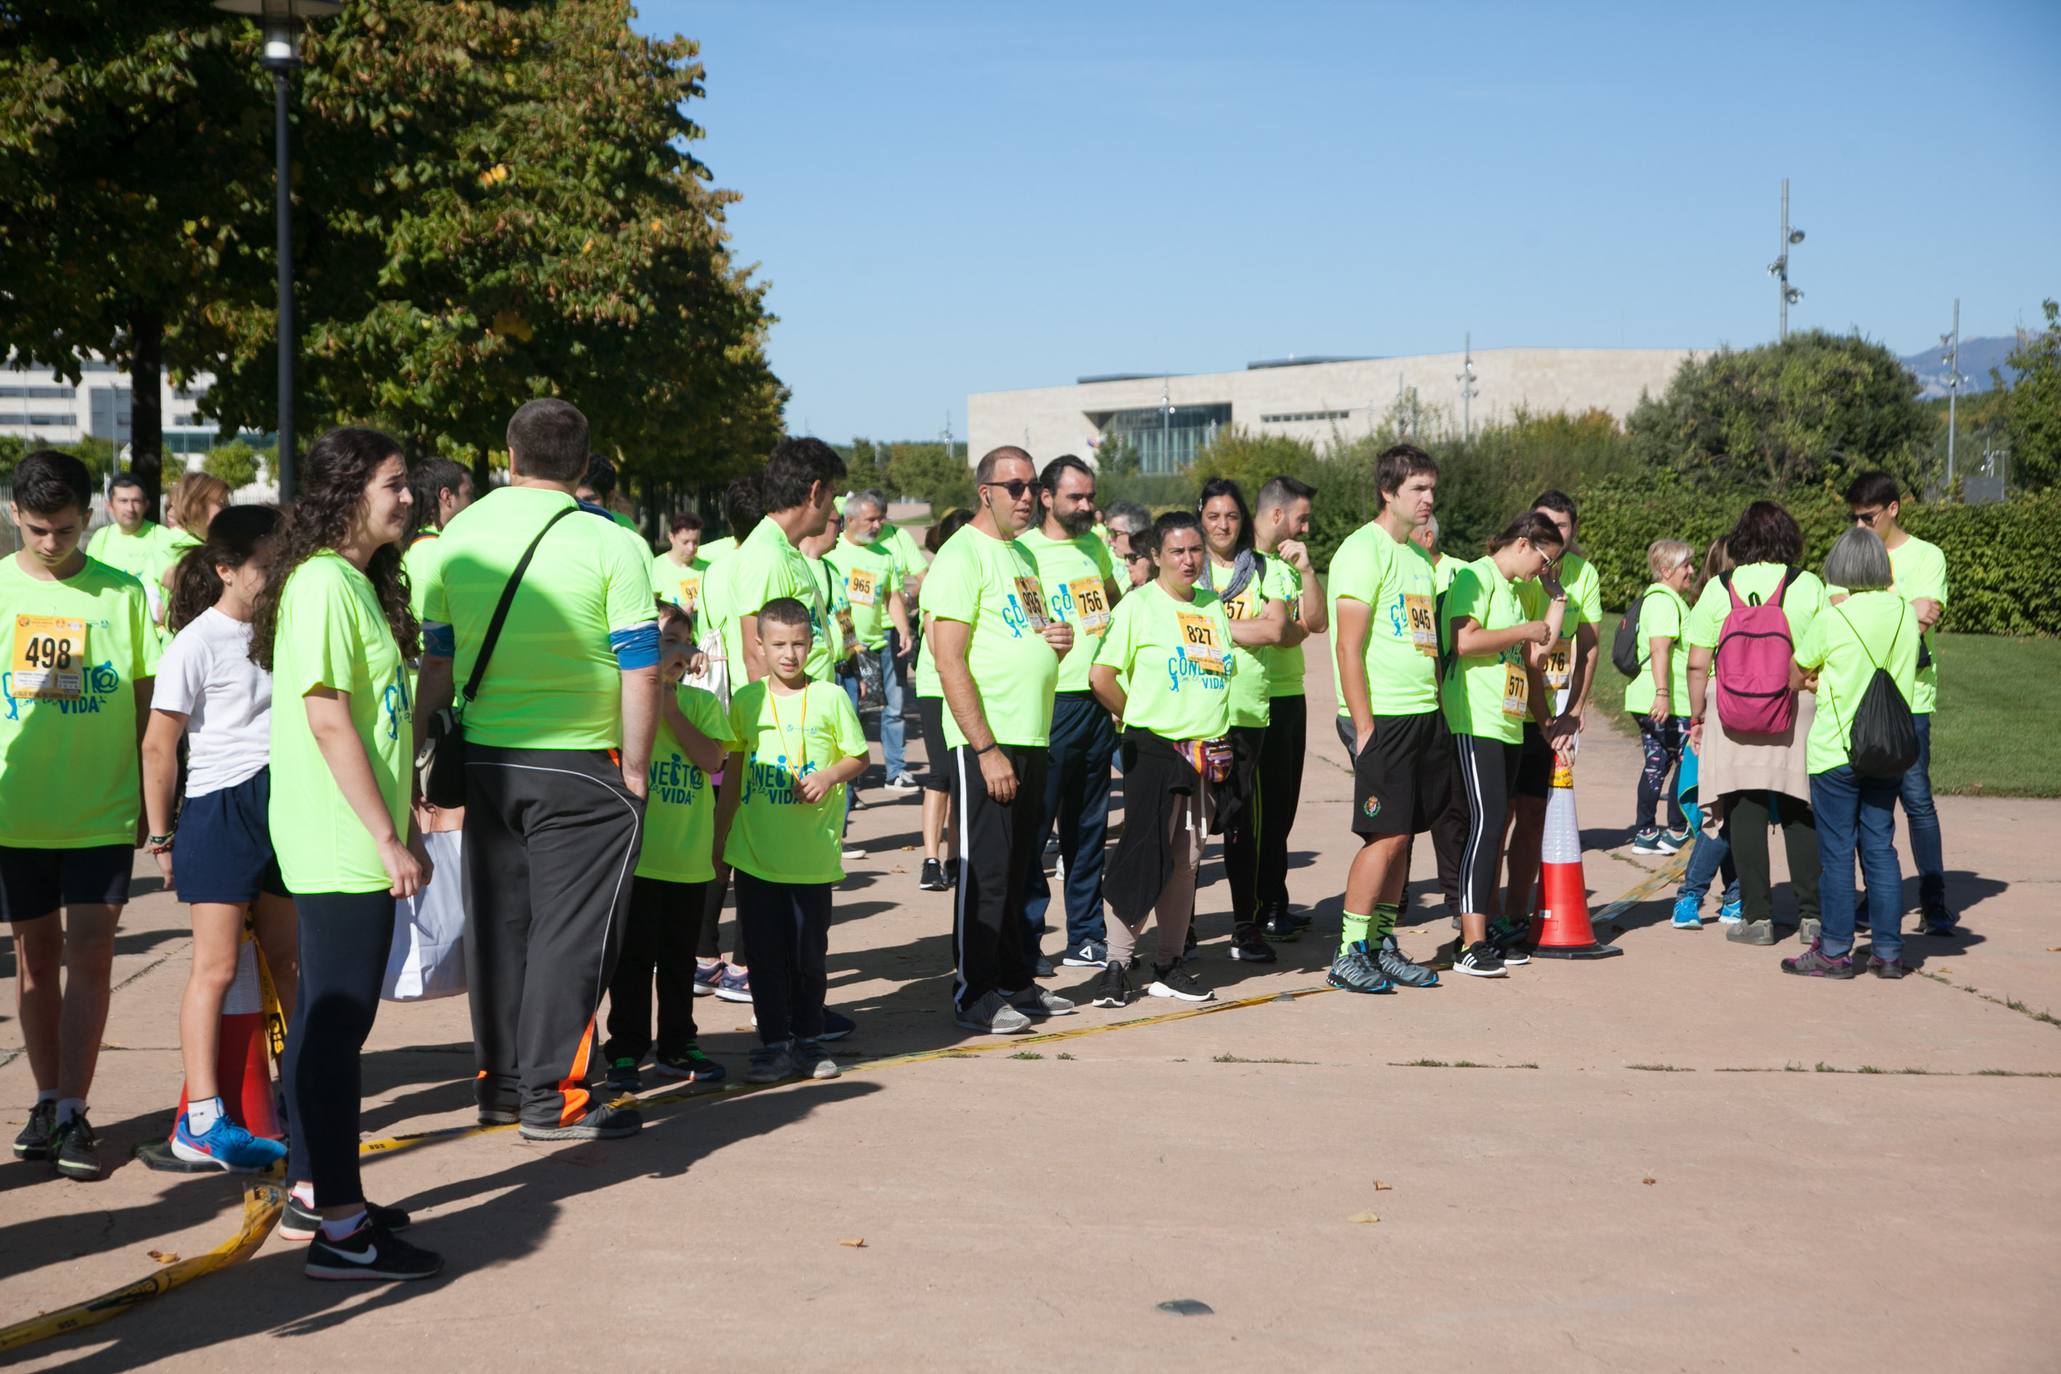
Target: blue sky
(955, 197)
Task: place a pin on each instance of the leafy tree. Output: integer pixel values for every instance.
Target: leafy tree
(866, 463)
(1815, 408)
(135, 142)
(926, 472)
(234, 462)
(2032, 407)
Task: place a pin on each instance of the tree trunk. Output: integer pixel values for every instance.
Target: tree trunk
(146, 404)
(482, 472)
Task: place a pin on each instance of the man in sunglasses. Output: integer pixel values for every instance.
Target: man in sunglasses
(1874, 499)
(998, 652)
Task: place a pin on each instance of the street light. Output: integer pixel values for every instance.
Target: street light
(282, 20)
(1779, 268)
(1951, 344)
(1468, 390)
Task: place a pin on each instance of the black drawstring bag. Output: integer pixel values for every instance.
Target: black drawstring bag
(1882, 740)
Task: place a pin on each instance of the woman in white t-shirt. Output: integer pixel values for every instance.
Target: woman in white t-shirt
(217, 854)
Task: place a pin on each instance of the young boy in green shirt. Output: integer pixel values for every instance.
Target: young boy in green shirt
(74, 693)
(796, 744)
(674, 869)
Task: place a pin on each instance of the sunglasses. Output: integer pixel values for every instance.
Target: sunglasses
(1137, 556)
(1016, 487)
(1867, 517)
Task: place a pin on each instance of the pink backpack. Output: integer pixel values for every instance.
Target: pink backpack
(1754, 652)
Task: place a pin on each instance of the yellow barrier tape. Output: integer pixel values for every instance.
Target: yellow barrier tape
(262, 1203)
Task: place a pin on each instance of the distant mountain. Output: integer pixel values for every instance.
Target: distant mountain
(1978, 356)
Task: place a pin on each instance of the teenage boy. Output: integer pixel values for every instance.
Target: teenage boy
(998, 655)
(872, 573)
(1079, 580)
(796, 745)
(1385, 664)
(74, 696)
(1920, 570)
(1278, 529)
(797, 489)
(674, 869)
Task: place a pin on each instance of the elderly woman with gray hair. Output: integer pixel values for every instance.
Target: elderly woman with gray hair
(1865, 627)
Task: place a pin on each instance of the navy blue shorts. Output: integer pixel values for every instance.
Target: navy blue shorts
(36, 882)
(223, 851)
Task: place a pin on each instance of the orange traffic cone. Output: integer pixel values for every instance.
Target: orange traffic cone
(1564, 931)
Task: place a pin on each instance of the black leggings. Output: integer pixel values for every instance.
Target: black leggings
(1487, 772)
(1662, 746)
(790, 939)
(1242, 841)
(658, 942)
(1277, 793)
(344, 938)
(1747, 818)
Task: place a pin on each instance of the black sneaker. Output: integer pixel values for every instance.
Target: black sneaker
(602, 1122)
(951, 873)
(1248, 947)
(1174, 980)
(1512, 940)
(933, 877)
(1188, 945)
(370, 1254)
(1113, 988)
(300, 1223)
(1481, 961)
(1397, 967)
(1283, 925)
(1939, 923)
(623, 1076)
(76, 1151)
(1886, 968)
(35, 1137)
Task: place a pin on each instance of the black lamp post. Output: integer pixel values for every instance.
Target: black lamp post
(282, 20)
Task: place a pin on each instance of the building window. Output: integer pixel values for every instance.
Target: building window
(37, 393)
(1166, 440)
(1294, 417)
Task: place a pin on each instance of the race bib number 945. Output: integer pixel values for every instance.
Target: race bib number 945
(49, 658)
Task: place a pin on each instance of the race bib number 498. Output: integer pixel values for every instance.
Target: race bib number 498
(49, 658)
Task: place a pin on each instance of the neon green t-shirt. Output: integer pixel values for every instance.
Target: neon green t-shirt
(1482, 697)
(837, 619)
(1174, 661)
(927, 684)
(716, 550)
(1285, 666)
(1839, 644)
(993, 586)
(768, 568)
(717, 615)
(1662, 613)
(1395, 582)
(870, 575)
(1079, 581)
(680, 813)
(775, 835)
(1442, 569)
(1584, 589)
(182, 539)
(553, 682)
(333, 634)
(1755, 582)
(679, 585)
(908, 552)
(1249, 697)
(1920, 571)
(144, 555)
(69, 773)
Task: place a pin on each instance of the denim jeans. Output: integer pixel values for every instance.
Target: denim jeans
(1921, 821)
(1710, 854)
(1857, 814)
(893, 731)
(1083, 744)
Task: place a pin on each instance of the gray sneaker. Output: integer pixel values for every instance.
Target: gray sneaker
(1751, 933)
(812, 1059)
(992, 1015)
(1808, 932)
(1390, 959)
(772, 1064)
(1356, 971)
(1037, 1004)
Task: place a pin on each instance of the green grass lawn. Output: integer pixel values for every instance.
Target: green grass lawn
(1994, 734)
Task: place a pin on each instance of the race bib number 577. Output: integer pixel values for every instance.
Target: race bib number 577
(49, 658)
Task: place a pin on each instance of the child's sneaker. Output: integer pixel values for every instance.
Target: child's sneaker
(1688, 913)
(225, 1145)
(690, 1065)
(1647, 841)
(836, 1025)
(932, 879)
(1732, 912)
(707, 976)
(734, 985)
(622, 1076)
(1675, 841)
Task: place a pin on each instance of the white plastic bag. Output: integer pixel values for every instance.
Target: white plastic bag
(427, 959)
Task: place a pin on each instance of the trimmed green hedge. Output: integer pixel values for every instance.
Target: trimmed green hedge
(2003, 578)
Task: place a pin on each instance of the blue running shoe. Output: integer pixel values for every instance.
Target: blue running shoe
(733, 986)
(1355, 970)
(227, 1146)
(1732, 912)
(1688, 913)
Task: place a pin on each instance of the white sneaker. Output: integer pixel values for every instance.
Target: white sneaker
(852, 851)
(903, 783)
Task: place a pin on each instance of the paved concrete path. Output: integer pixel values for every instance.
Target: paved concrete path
(1676, 1159)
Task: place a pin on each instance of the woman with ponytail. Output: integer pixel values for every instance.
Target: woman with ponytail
(334, 626)
(215, 849)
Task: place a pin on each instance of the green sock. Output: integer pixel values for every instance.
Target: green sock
(1355, 931)
(1386, 914)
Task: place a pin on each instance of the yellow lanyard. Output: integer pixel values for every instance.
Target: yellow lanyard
(773, 705)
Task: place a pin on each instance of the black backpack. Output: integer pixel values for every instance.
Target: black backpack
(1882, 739)
(1624, 648)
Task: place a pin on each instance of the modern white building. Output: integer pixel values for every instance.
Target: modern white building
(45, 408)
(1167, 418)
